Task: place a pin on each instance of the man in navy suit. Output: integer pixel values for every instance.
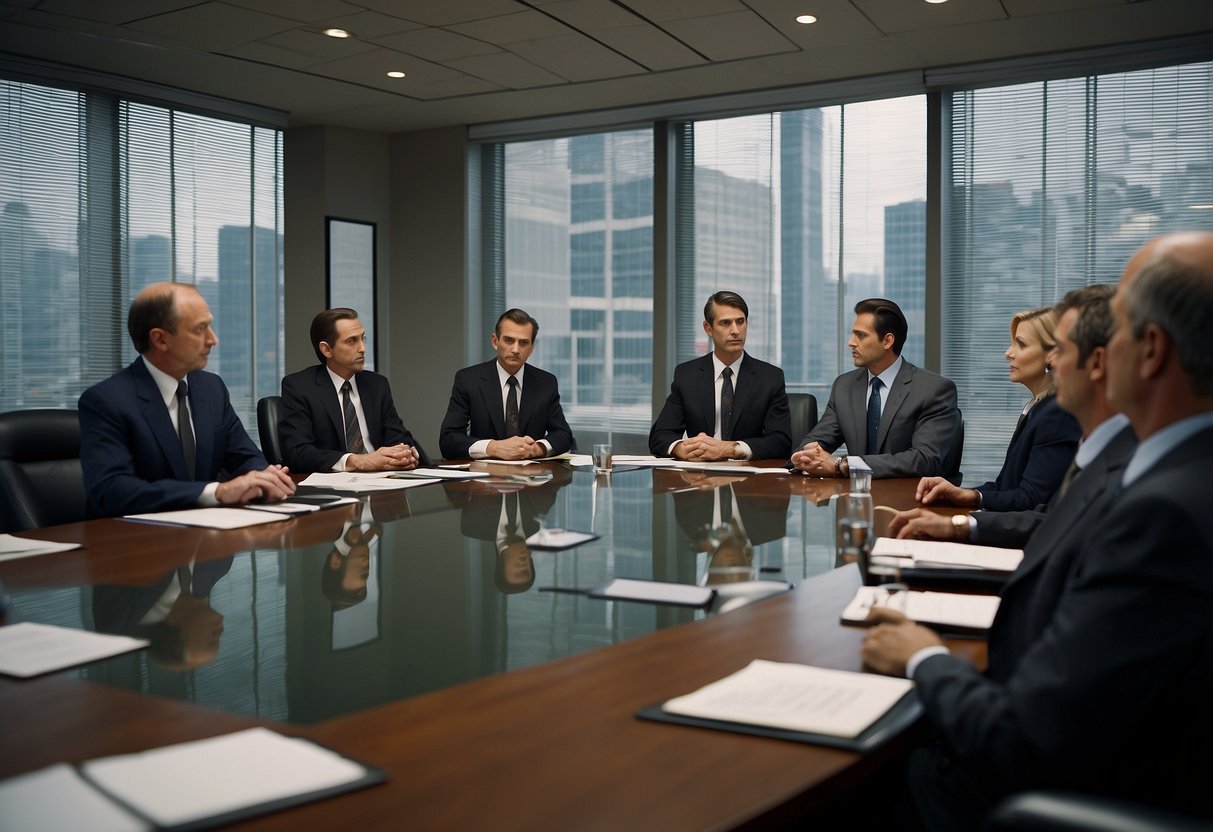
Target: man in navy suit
(900, 418)
(161, 434)
(726, 404)
(1080, 371)
(505, 408)
(1106, 689)
(339, 416)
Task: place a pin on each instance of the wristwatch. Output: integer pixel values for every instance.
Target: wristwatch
(960, 526)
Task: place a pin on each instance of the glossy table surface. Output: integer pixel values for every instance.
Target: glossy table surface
(386, 630)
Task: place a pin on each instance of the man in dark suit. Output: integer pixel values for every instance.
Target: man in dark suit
(505, 408)
(900, 418)
(1080, 372)
(161, 434)
(727, 404)
(339, 416)
(1107, 690)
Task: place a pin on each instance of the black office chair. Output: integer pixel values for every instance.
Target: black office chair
(41, 482)
(269, 412)
(1064, 812)
(951, 461)
(803, 407)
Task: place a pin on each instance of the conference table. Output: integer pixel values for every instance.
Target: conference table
(417, 632)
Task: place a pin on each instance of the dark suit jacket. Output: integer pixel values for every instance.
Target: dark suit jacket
(1041, 450)
(131, 455)
(480, 505)
(118, 609)
(1109, 692)
(1015, 528)
(764, 518)
(476, 412)
(917, 426)
(312, 428)
(760, 408)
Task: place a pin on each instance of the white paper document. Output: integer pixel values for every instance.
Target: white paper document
(13, 547)
(209, 518)
(558, 539)
(795, 697)
(439, 474)
(29, 649)
(942, 554)
(56, 798)
(719, 467)
(352, 481)
(944, 609)
(188, 782)
(654, 592)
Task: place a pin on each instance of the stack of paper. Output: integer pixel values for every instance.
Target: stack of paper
(939, 554)
(795, 697)
(203, 783)
(950, 610)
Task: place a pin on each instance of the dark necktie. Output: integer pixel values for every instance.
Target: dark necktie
(874, 416)
(1068, 479)
(184, 430)
(511, 513)
(726, 405)
(353, 431)
(186, 579)
(511, 408)
(725, 493)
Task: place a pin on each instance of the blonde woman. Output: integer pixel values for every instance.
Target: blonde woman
(1044, 441)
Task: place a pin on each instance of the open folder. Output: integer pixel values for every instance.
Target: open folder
(836, 708)
(192, 785)
(951, 612)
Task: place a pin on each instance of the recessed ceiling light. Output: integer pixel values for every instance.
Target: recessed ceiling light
(338, 33)
(935, 2)
(395, 73)
(805, 18)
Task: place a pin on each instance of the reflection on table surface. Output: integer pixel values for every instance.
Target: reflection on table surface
(416, 590)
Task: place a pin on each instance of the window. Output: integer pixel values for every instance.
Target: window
(101, 197)
(1052, 186)
(792, 210)
(579, 257)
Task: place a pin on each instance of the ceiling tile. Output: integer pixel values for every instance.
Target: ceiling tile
(592, 15)
(453, 87)
(266, 53)
(650, 47)
(367, 25)
(512, 28)
(902, 16)
(436, 44)
(443, 12)
(212, 27)
(372, 68)
(305, 10)
(1025, 8)
(838, 21)
(662, 10)
(319, 47)
(506, 69)
(113, 11)
(576, 58)
(726, 37)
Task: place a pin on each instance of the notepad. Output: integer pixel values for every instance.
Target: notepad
(795, 697)
(935, 554)
(209, 518)
(207, 782)
(654, 592)
(952, 611)
(555, 539)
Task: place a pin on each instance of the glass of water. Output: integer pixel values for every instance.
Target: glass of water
(855, 533)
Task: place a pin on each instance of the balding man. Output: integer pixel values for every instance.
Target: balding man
(1110, 693)
(161, 434)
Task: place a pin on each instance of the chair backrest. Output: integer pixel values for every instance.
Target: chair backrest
(269, 411)
(951, 461)
(803, 407)
(41, 482)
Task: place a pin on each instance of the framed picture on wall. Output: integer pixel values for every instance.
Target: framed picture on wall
(350, 273)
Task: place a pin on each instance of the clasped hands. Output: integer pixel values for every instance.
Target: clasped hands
(388, 458)
(705, 448)
(517, 447)
(815, 461)
(892, 640)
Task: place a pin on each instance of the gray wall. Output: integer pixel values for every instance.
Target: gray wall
(414, 187)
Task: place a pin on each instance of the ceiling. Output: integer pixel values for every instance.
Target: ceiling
(478, 61)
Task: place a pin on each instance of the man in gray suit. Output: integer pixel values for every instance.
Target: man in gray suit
(900, 418)
(1080, 370)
